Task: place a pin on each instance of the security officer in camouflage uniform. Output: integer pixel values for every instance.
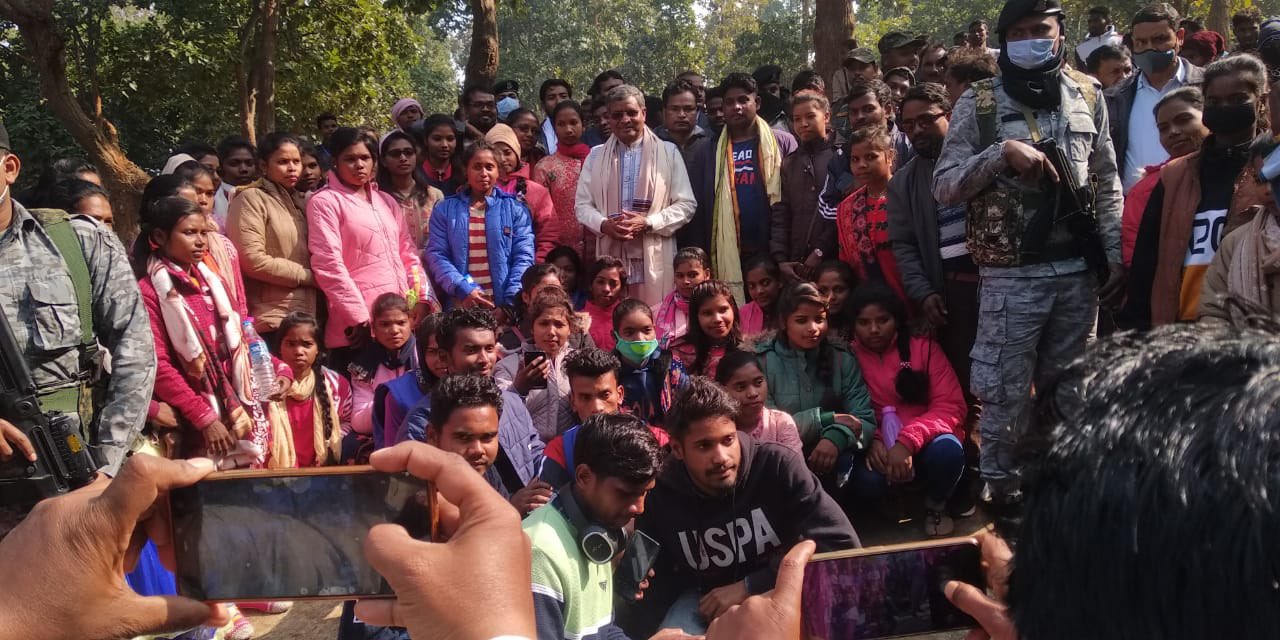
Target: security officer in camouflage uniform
(1036, 310)
(38, 296)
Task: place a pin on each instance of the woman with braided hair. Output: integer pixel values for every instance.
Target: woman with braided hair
(318, 405)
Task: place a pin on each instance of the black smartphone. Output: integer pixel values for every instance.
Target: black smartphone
(637, 560)
(529, 356)
(888, 592)
(293, 534)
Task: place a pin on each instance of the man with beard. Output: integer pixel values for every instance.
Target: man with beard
(928, 240)
(1039, 299)
(481, 110)
(725, 509)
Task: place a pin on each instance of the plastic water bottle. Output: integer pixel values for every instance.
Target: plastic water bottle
(890, 427)
(264, 372)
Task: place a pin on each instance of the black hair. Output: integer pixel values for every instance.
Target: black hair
(715, 92)
(1152, 464)
(841, 320)
(1189, 95)
(1103, 53)
(460, 318)
(770, 266)
(808, 80)
(164, 214)
(789, 301)
(676, 88)
(977, 23)
(346, 137)
(604, 76)
(536, 273)
(702, 343)
(384, 175)
(231, 144)
(911, 384)
(433, 122)
(56, 172)
(272, 143)
(767, 74)
(930, 92)
(618, 445)
(969, 66)
(389, 301)
(627, 307)
(429, 328)
(1250, 15)
(1101, 11)
(732, 362)
(522, 111)
(190, 170)
(160, 187)
(907, 74)
(603, 263)
(551, 298)
(591, 362)
(68, 193)
(700, 399)
(873, 87)
(323, 392)
(1157, 12)
(692, 254)
(320, 119)
(462, 391)
(464, 100)
(1246, 67)
(196, 149)
(739, 80)
(474, 149)
(309, 148)
(566, 251)
(567, 104)
(553, 82)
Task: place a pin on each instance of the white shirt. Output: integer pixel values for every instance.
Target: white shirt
(222, 200)
(1088, 45)
(1144, 139)
(549, 133)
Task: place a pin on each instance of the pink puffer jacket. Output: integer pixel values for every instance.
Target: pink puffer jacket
(359, 251)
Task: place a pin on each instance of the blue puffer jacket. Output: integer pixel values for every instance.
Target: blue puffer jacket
(508, 230)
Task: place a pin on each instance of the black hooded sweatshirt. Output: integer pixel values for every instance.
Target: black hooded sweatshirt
(712, 541)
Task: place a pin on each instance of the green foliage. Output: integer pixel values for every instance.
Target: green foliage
(745, 34)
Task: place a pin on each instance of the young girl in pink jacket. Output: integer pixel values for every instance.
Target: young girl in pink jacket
(909, 377)
(742, 376)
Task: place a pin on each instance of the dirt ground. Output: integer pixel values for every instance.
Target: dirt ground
(319, 621)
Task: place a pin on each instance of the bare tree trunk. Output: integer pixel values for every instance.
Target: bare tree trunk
(482, 62)
(832, 26)
(96, 135)
(265, 64)
(247, 73)
(1220, 19)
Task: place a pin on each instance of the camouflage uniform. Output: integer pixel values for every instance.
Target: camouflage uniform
(39, 301)
(1034, 319)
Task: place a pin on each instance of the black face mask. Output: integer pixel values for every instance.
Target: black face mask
(1230, 118)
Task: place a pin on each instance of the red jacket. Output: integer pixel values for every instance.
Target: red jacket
(1135, 204)
(920, 424)
(546, 224)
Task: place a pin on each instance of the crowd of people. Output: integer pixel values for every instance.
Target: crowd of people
(733, 317)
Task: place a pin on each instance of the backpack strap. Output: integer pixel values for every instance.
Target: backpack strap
(984, 97)
(57, 224)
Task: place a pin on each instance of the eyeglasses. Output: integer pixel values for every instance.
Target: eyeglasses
(921, 122)
(400, 153)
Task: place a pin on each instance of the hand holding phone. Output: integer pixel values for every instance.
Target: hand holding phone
(636, 565)
(534, 369)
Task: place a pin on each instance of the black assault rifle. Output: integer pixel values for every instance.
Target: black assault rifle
(64, 462)
(1075, 210)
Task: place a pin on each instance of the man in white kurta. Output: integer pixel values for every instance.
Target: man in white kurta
(634, 194)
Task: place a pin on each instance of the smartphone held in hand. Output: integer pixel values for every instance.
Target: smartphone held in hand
(291, 534)
(888, 592)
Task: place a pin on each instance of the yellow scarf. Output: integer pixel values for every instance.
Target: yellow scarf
(283, 452)
(725, 225)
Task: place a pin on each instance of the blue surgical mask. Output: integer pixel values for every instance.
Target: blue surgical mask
(1030, 54)
(635, 351)
(506, 106)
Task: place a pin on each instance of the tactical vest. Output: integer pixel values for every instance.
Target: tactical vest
(996, 220)
(78, 399)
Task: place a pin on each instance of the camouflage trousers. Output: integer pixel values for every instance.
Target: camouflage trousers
(1029, 330)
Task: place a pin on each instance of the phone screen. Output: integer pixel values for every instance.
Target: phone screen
(638, 558)
(248, 536)
(884, 595)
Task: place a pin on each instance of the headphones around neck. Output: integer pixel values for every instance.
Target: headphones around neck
(599, 544)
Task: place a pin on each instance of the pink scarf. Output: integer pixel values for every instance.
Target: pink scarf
(576, 151)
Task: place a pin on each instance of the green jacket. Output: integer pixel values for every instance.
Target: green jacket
(796, 387)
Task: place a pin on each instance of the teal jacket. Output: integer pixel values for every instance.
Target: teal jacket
(796, 387)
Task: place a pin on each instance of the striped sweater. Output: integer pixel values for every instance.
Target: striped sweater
(572, 596)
